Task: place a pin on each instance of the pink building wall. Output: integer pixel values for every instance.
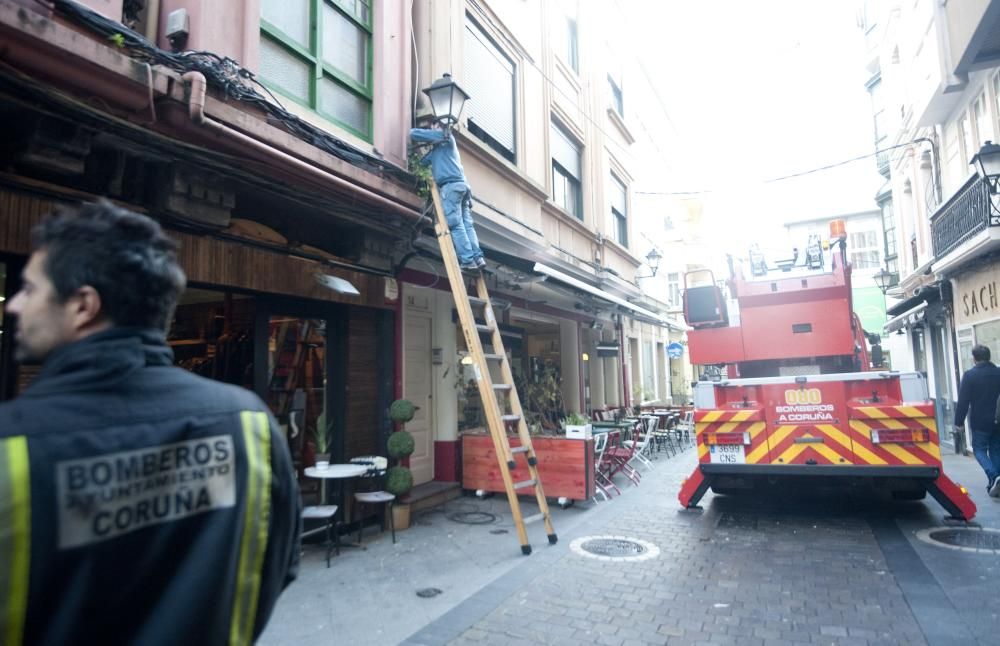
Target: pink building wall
(232, 28)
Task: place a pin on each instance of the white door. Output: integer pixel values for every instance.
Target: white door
(417, 388)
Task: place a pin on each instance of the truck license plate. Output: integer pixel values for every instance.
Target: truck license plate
(727, 454)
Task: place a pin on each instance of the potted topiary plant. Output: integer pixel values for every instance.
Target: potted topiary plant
(577, 427)
(399, 479)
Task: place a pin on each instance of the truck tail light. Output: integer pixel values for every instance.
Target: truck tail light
(728, 438)
(899, 436)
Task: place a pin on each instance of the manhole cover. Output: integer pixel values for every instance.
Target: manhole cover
(614, 548)
(427, 593)
(968, 539)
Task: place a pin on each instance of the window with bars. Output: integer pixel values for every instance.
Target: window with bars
(489, 78)
(864, 250)
(318, 53)
(619, 211)
(567, 174)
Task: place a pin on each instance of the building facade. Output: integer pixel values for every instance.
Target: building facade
(939, 86)
(275, 159)
(545, 142)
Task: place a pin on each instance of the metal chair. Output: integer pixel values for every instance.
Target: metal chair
(601, 482)
(325, 513)
(377, 466)
(641, 447)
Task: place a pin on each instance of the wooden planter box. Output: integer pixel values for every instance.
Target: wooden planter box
(566, 467)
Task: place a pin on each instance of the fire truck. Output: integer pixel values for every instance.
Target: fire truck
(796, 394)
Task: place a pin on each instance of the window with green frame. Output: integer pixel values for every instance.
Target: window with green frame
(318, 53)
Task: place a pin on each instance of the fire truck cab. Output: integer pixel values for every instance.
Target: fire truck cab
(801, 394)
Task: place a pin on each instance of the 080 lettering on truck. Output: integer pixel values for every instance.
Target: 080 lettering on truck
(802, 395)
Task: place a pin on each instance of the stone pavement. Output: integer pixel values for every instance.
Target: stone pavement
(822, 568)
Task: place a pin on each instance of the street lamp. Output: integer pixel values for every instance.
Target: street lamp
(447, 100)
(886, 280)
(987, 163)
(653, 262)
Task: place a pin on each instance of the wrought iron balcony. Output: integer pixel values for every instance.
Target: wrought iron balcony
(964, 215)
(882, 161)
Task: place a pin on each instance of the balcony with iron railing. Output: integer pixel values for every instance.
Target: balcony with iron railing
(882, 161)
(966, 214)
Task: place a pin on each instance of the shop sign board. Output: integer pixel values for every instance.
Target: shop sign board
(977, 296)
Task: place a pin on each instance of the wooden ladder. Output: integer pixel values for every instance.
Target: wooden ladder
(496, 419)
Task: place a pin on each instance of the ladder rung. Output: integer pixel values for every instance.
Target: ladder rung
(525, 483)
(473, 300)
(510, 418)
(501, 386)
(518, 449)
(484, 328)
(494, 357)
(534, 518)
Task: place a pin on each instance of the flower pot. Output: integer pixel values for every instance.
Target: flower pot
(401, 515)
(582, 432)
(322, 460)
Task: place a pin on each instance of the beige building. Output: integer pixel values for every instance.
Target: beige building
(545, 145)
(938, 77)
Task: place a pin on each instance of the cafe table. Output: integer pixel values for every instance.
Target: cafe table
(339, 473)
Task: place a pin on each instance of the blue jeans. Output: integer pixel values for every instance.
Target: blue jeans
(457, 202)
(986, 448)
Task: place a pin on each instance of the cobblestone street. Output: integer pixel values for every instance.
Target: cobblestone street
(822, 568)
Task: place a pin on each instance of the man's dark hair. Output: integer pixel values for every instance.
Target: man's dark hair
(980, 353)
(124, 256)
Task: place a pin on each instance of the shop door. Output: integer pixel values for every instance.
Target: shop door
(417, 388)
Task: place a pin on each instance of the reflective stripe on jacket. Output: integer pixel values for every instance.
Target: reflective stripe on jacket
(140, 504)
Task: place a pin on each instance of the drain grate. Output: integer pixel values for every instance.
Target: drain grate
(969, 539)
(614, 548)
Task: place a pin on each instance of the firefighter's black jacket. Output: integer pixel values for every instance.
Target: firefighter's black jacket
(140, 504)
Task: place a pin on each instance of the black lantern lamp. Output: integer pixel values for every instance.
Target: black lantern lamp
(987, 163)
(447, 100)
(653, 262)
(885, 280)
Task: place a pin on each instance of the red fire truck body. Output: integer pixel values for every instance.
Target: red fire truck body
(801, 398)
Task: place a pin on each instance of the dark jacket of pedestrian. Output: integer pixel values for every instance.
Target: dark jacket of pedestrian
(162, 505)
(977, 397)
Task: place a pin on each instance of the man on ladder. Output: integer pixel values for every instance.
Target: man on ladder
(456, 196)
(453, 219)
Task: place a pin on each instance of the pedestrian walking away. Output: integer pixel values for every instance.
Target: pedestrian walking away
(139, 503)
(456, 196)
(978, 396)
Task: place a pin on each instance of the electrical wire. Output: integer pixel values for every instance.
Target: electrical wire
(799, 174)
(235, 81)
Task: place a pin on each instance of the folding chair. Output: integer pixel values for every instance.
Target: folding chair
(602, 484)
(619, 456)
(641, 447)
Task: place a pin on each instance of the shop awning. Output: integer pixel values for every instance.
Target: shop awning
(640, 312)
(907, 319)
(926, 294)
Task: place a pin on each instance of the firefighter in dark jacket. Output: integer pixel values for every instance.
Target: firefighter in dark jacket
(139, 504)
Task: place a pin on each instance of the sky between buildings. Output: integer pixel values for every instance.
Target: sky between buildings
(749, 91)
